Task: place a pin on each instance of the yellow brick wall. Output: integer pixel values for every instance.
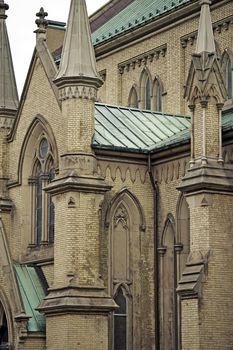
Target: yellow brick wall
(172, 69)
(77, 332)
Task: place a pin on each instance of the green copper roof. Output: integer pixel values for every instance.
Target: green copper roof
(32, 293)
(135, 130)
(135, 14)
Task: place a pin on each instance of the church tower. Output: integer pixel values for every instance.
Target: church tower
(207, 301)
(78, 304)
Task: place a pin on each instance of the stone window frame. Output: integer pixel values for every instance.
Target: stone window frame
(5, 310)
(129, 309)
(133, 101)
(150, 89)
(135, 218)
(47, 167)
(227, 58)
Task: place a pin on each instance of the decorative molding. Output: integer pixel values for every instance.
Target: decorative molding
(218, 27)
(143, 59)
(6, 122)
(132, 172)
(121, 216)
(78, 91)
(103, 74)
(168, 172)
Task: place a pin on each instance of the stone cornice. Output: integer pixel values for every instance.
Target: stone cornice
(212, 177)
(143, 59)
(78, 87)
(74, 183)
(218, 27)
(81, 91)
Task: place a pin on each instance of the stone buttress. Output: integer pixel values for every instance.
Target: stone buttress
(206, 284)
(78, 304)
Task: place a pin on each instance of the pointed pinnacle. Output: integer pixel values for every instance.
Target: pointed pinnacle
(3, 8)
(205, 37)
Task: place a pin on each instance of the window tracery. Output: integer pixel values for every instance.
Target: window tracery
(43, 208)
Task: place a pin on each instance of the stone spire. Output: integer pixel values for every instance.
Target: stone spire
(8, 91)
(205, 38)
(78, 57)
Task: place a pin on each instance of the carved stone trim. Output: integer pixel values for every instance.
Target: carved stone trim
(103, 74)
(143, 59)
(6, 122)
(121, 215)
(80, 91)
(223, 24)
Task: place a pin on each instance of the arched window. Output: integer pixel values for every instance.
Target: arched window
(145, 90)
(157, 96)
(126, 219)
(167, 286)
(4, 338)
(133, 98)
(228, 73)
(120, 321)
(147, 94)
(227, 66)
(44, 173)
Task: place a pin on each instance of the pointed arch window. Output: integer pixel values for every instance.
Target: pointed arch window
(145, 90)
(121, 321)
(147, 94)
(228, 73)
(157, 96)
(43, 208)
(133, 98)
(227, 66)
(4, 337)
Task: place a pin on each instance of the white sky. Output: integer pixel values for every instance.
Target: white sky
(21, 24)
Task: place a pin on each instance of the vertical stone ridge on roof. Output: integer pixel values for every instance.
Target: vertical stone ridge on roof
(9, 100)
(78, 57)
(205, 38)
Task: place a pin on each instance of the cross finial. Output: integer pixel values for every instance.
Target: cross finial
(41, 21)
(3, 8)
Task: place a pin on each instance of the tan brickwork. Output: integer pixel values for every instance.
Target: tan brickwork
(81, 249)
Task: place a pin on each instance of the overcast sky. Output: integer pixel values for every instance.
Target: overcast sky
(21, 24)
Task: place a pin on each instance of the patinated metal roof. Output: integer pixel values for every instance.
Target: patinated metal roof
(135, 14)
(32, 293)
(136, 130)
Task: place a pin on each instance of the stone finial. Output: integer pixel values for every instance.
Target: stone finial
(41, 22)
(78, 62)
(205, 38)
(3, 8)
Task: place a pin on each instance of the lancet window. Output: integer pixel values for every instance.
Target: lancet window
(133, 98)
(4, 337)
(227, 66)
(150, 92)
(43, 208)
(121, 321)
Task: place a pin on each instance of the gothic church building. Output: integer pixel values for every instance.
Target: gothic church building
(116, 180)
